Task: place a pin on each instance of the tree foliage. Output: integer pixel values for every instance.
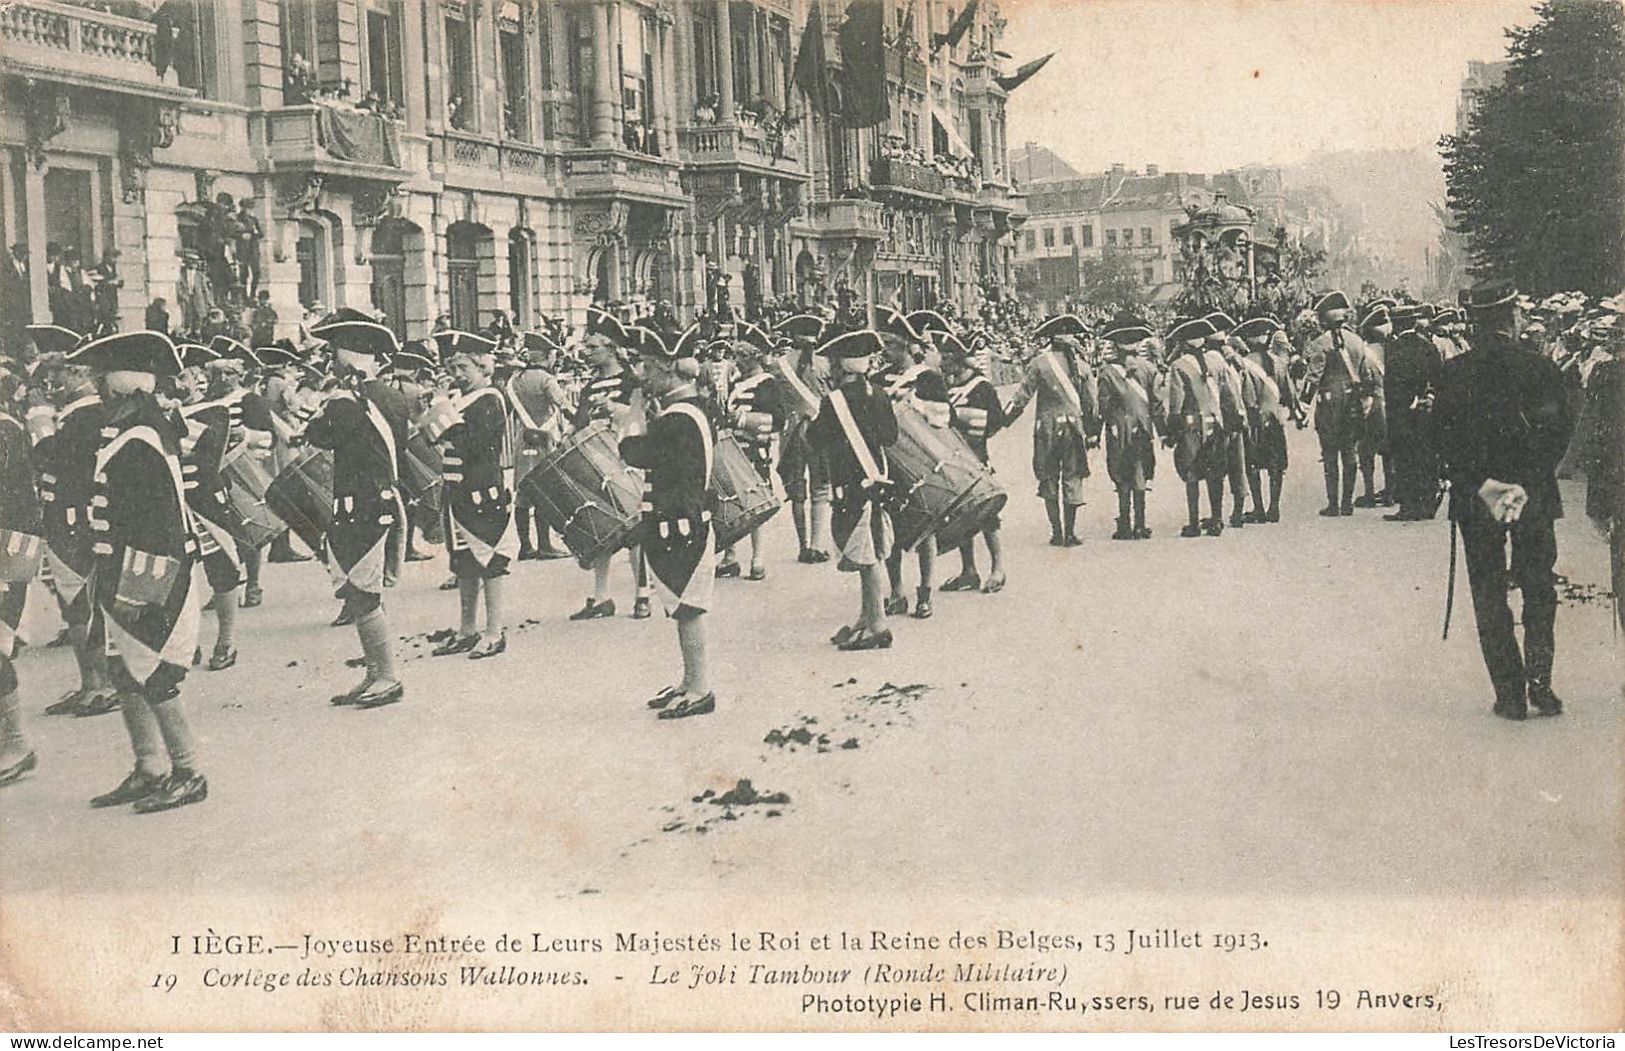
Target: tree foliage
(1113, 280)
(1537, 182)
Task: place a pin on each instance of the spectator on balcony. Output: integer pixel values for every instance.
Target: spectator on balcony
(249, 233)
(457, 112)
(706, 110)
(298, 81)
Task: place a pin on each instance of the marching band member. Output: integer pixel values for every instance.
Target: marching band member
(283, 414)
(22, 545)
(855, 424)
(755, 412)
(1224, 356)
(364, 422)
(909, 376)
(476, 499)
(540, 407)
(1064, 413)
(146, 610)
(210, 424)
(802, 468)
(1376, 329)
(66, 461)
(612, 394)
(1199, 404)
(676, 457)
(1129, 407)
(411, 372)
(1266, 360)
(978, 416)
(1340, 380)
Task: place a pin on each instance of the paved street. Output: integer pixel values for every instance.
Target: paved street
(1270, 712)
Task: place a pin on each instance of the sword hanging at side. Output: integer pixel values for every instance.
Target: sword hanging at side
(1450, 585)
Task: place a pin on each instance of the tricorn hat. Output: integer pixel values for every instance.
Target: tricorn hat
(801, 326)
(862, 343)
(150, 352)
(1263, 325)
(1190, 328)
(360, 337)
(54, 339)
(1491, 294)
(1332, 301)
(196, 355)
(457, 342)
(1061, 325)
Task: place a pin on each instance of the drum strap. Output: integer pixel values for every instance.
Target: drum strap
(797, 384)
(854, 437)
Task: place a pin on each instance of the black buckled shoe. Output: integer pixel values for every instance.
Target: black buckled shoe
(868, 640)
(180, 788)
(922, 605)
(19, 768)
(595, 610)
(456, 644)
(1190, 530)
(490, 647)
(376, 698)
(642, 608)
(252, 597)
(690, 705)
(967, 581)
(1511, 701)
(895, 607)
(844, 632)
(98, 704)
(134, 787)
(1330, 511)
(66, 704)
(726, 570)
(220, 659)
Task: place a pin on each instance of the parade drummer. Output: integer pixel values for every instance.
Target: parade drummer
(909, 376)
(755, 413)
(1064, 413)
(1503, 422)
(1266, 357)
(1199, 403)
(1129, 396)
(476, 500)
(235, 378)
(676, 457)
(1376, 329)
(210, 423)
(978, 415)
(1413, 366)
(146, 611)
(66, 463)
(411, 371)
(540, 407)
(802, 468)
(22, 545)
(1339, 379)
(854, 426)
(1224, 355)
(364, 422)
(611, 394)
(284, 404)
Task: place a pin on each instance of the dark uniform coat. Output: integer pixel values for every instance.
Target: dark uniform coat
(676, 456)
(860, 521)
(1129, 406)
(146, 609)
(21, 532)
(1413, 369)
(67, 467)
(210, 429)
(758, 393)
(480, 533)
(365, 428)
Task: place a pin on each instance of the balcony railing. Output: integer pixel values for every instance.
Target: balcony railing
(739, 143)
(899, 173)
(61, 41)
(508, 157)
(325, 138)
(849, 217)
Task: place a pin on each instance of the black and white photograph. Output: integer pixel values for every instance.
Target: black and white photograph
(812, 515)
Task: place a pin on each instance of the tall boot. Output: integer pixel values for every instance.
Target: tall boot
(521, 522)
(1255, 482)
(1328, 467)
(1125, 531)
(1052, 508)
(1193, 509)
(1070, 536)
(1349, 479)
(1215, 506)
(1140, 530)
(1274, 513)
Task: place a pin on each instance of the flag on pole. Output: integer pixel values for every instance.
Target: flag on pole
(956, 32)
(1022, 75)
(863, 64)
(812, 66)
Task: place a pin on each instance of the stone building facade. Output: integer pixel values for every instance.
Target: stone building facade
(429, 157)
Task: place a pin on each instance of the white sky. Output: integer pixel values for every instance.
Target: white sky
(1203, 85)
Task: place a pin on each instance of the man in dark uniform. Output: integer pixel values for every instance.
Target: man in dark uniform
(676, 456)
(22, 545)
(854, 425)
(1267, 361)
(909, 378)
(802, 468)
(755, 412)
(1411, 372)
(364, 423)
(477, 502)
(146, 612)
(211, 419)
(66, 462)
(1341, 382)
(1064, 414)
(1129, 406)
(1604, 458)
(1503, 423)
(977, 415)
(1200, 403)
